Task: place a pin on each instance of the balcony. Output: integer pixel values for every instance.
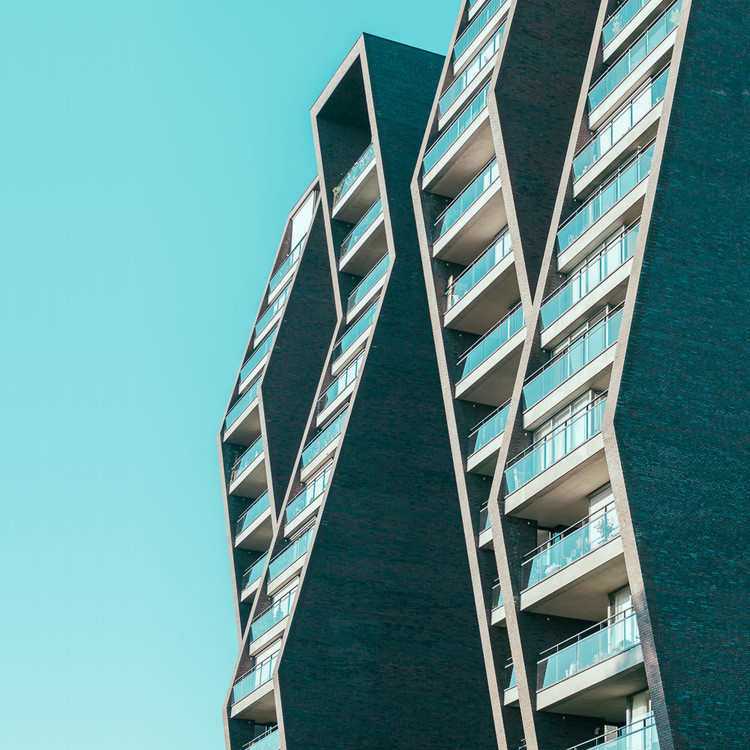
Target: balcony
(365, 244)
(269, 740)
(285, 269)
(599, 280)
(242, 423)
(631, 16)
(303, 505)
(485, 528)
(619, 200)
(572, 574)
(638, 735)
(366, 290)
(469, 79)
(251, 578)
(510, 696)
(358, 190)
(268, 624)
(253, 529)
(252, 694)
(478, 296)
(646, 55)
(462, 149)
(592, 673)
(548, 481)
(271, 315)
(254, 363)
(633, 126)
(497, 610)
(352, 340)
(472, 35)
(487, 370)
(485, 441)
(472, 220)
(583, 365)
(338, 392)
(289, 561)
(248, 475)
(322, 445)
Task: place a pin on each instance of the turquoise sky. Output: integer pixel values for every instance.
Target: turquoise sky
(150, 151)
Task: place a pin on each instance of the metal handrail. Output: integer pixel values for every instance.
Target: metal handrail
(639, 725)
(478, 426)
(479, 174)
(260, 737)
(364, 160)
(366, 221)
(598, 627)
(254, 505)
(489, 333)
(379, 268)
(479, 258)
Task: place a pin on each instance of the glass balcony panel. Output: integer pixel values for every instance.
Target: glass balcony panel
(254, 359)
(247, 398)
(492, 341)
(475, 28)
(351, 176)
(621, 124)
(247, 458)
(354, 332)
(269, 314)
(511, 672)
(454, 132)
(252, 574)
(564, 439)
(324, 438)
(488, 429)
(601, 264)
(638, 735)
(274, 614)
(634, 55)
(369, 281)
(311, 493)
(474, 273)
(582, 351)
(571, 545)
(497, 596)
(484, 518)
(256, 677)
(620, 19)
(253, 512)
(270, 740)
(289, 555)
(286, 266)
(592, 646)
(467, 198)
(343, 381)
(605, 198)
(471, 71)
(361, 227)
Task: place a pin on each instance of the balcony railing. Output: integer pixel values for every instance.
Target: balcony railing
(361, 227)
(467, 198)
(497, 596)
(343, 381)
(351, 176)
(638, 735)
(470, 113)
(311, 493)
(475, 28)
(570, 545)
(247, 398)
(269, 740)
(474, 273)
(269, 314)
(574, 358)
(483, 349)
(600, 264)
(627, 178)
(484, 518)
(359, 292)
(247, 458)
(274, 614)
(289, 554)
(489, 428)
(471, 71)
(564, 439)
(286, 266)
(354, 332)
(254, 359)
(634, 55)
(590, 647)
(621, 124)
(252, 574)
(252, 680)
(253, 512)
(324, 438)
(620, 19)
(510, 675)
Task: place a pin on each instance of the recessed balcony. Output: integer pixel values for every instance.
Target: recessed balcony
(617, 202)
(304, 505)
(367, 289)
(366, 243)
(510, 695)
(334, 397)
(638, 735)
(358, 190)
(254, 528)
(592, 673)
(251, 578)
(272, 315)
(474, 35)
(248, 475)
(254, 364)
(601, 279)
(269, 624)
(252, 694)
(643, 58)
(289, 562)
(485, 528)
(472, 220)
(497, 608)
(630, 17)
(269, 740)
(242, 423)
(284, 272)
(479, 295)
(584, 365)
(571, 574)
(549, 480)
(322, 446)
(487, 370)
(485, 441)
(352, 340)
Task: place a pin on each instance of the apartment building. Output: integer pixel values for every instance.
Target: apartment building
(479, 464)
